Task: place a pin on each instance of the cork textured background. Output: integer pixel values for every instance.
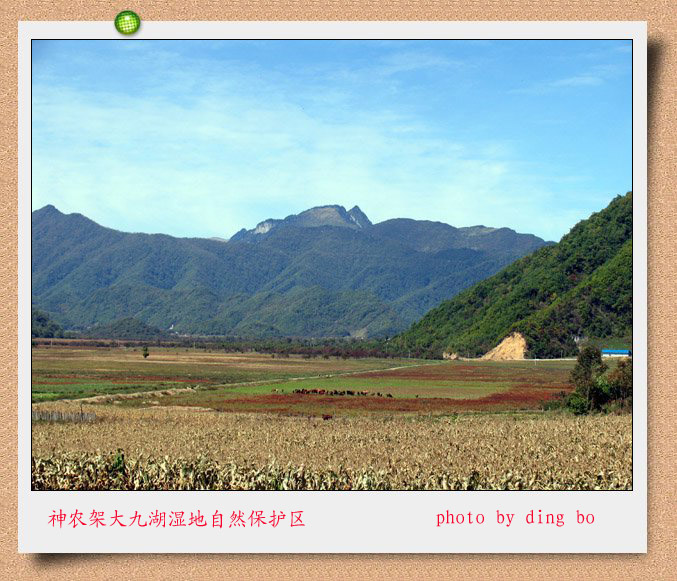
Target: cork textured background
(660, 561)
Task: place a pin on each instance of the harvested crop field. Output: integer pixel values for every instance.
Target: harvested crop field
(183, 449)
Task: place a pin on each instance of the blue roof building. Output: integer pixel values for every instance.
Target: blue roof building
(616, 352)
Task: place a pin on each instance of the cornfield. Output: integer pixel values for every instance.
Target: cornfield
(113, 472)
(178, 449)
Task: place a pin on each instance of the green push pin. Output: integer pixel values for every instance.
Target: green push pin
(127, 22)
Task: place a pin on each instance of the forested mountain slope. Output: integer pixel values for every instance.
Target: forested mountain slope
(324, 272)
(555, 297)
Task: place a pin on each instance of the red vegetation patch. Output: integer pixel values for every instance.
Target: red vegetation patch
(480, 373)
(520, 397)
(153, 378)
(138, 378)
(126, 378)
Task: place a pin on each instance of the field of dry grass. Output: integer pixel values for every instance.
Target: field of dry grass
(178, 448)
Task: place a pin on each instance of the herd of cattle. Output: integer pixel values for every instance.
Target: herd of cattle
(341, 392)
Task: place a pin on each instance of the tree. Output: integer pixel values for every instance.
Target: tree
(620, 381)
(588, 378)
(42, 325)
(145, 351)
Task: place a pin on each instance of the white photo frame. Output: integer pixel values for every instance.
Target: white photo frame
(345, 522)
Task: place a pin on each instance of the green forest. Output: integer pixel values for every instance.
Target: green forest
(42, 325)
(557, 297)
(322, 281)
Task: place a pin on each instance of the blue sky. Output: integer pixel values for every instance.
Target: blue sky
(202, 138)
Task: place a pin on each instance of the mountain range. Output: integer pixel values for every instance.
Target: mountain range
(325, 272)
(577, 290)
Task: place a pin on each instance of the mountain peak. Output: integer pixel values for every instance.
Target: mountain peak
(330, 215)
(48, 209)
(359, 217)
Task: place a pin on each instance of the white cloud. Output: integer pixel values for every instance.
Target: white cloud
(207, 148)
(578, 81)
(594, 76)
(194, 169)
